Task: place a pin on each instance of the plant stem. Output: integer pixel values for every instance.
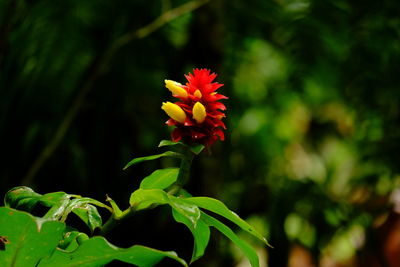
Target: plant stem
(184, 170)
(114, 220)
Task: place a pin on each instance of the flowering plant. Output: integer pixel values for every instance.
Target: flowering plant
(198, 115)
(28, 240)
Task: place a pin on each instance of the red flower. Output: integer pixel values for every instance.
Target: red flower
(197, 115)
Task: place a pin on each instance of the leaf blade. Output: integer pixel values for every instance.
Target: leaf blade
(169, 143)
(201, 234)
(98, 251)
(152, 157)
(244, 247)
(160, 179)
(29, 238)
(219, 208)
(21, 197)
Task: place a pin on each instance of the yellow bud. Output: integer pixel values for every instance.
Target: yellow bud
(198, 94)
(174, 111)
(199, 112)
(175, 88)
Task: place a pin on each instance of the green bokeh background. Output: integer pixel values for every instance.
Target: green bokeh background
(311, 154)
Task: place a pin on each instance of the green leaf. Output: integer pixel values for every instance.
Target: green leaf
(33, 241)
(83, 208)
(29, 238)
(89, 215)
(141, 159)
(160, 179)
(187, 209)
(144, 198)
(218, 207)
(246, 248)
(196, 149)
(58, 205)
(21, 197)
(95, 202)
(201, 234)
(63, 205)
(52, 199)
(97, 252)
(169, 143)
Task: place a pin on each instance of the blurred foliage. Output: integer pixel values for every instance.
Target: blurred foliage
(312, 150)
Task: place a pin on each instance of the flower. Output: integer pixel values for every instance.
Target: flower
(197, 116)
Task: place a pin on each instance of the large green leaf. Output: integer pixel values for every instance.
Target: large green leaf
(29, 238)
(97, 252)
(144, 198)
(246, 248)
(160, 179)
(200, 232)
(190, 211)
(153, 157)
(21, 197)
(218, 207)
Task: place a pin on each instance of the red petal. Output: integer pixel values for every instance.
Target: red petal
(212, 87)
(216, 105)
(220, 124)
(216, 97)
(220, 134)
(216, 115)
(215, 123)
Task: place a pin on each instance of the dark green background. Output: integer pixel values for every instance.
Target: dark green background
(311, 154)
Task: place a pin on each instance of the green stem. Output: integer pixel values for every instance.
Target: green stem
(184, 170)
(115, 220)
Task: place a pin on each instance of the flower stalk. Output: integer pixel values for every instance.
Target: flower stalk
(184, 170)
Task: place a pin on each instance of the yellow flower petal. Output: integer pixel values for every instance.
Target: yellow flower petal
(199, 112)
(198, 94)
(174, 111)
(175, 88)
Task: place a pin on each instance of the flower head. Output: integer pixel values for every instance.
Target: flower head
(197, 116)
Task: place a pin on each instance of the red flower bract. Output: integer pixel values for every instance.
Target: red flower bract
(198, 114)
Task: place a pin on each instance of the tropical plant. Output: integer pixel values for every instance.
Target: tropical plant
(34, 228)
